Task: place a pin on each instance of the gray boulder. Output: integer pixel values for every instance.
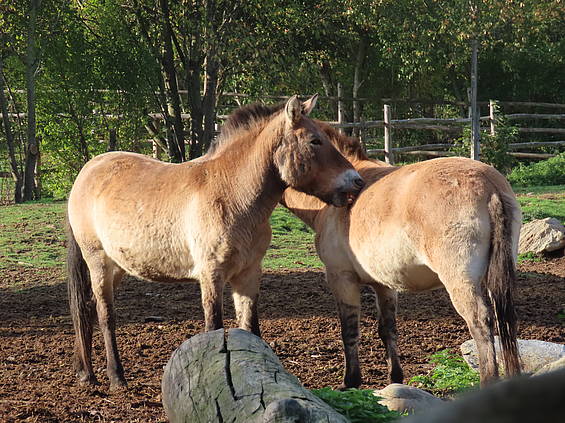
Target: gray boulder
(533, 354)
(404, 398)
(542, 236)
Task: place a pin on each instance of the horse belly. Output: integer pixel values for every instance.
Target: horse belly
(394, 261)
(154, 258)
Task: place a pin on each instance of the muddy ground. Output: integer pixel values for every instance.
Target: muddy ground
(297, 318)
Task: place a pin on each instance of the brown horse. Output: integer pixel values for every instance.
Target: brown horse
(204, 221)
(450, 222)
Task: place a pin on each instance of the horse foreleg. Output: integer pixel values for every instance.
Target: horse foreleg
(103, 280)
(212, 292)
(245, 294)
(345, 288)
(387, 301)
(470, 304)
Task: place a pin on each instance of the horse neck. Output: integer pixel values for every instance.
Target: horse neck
(250, 184)
(306, 207)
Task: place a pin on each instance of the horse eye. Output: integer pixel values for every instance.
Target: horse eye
(316, 141)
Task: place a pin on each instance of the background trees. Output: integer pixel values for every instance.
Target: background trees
(91, 68)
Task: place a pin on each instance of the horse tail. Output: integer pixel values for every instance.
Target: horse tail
(81, 301)
(501, 280)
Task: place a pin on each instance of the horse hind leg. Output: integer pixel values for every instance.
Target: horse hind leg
(105, 275)
(387, 301)
(82, 309)
(245, 295)
(345, 287)
(469, 302)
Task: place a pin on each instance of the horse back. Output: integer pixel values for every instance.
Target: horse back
(417, 221)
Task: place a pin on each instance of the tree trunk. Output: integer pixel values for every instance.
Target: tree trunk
(176, 144)
(209, 101)
(358, 78)
(236, 377)
(16, 173)
(328, 84)
(195, 104)
(32, 61)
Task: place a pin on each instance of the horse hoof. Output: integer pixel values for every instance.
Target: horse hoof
(88, 380)
(119, 384)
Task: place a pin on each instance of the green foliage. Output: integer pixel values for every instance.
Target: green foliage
(450, 375)
(358, 405)
(494, 148)
(546, 172)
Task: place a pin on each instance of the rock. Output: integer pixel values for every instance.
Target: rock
(543, 235)
(533, 354)
(551, 367)
(519, 400)
(235, 377)
(404, 398)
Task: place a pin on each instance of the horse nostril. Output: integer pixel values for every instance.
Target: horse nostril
(360, 183)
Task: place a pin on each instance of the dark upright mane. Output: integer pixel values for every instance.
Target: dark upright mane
(243, 118)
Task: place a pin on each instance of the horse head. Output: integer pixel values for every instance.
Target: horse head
(308, 162)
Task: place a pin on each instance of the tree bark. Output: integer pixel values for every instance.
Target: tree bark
(236, 377)
(32, 62)
(209, 100)
(358, 78)
(176, 142)
(16, 173)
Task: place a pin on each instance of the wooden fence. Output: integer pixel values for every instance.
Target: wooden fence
(456, 124)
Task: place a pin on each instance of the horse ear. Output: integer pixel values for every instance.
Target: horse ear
(309, 104)
(293, 110)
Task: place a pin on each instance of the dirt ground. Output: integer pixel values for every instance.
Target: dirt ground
(297, 318)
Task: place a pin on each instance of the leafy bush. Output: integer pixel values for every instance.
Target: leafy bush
(546, 172)
(358, 405)
(451, 374)
(494, 148)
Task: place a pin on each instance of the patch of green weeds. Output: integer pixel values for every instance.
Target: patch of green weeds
(451, 374)
(358, 405)
(529, 256)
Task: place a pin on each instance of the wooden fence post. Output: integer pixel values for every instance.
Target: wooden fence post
(492, 120)
(475, 114)
(340, 106)
(389, 156)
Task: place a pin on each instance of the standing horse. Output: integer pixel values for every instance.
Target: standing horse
(205, 221)
(450, 222)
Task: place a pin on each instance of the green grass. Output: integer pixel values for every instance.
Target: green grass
(450, 375)
(538, 207)
(536, 190)
(292, 245)
(34, 234)
(358, 405)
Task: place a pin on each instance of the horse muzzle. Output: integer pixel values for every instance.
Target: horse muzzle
(349, 185)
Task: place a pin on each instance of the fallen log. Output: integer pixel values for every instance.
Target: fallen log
(236, 377)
